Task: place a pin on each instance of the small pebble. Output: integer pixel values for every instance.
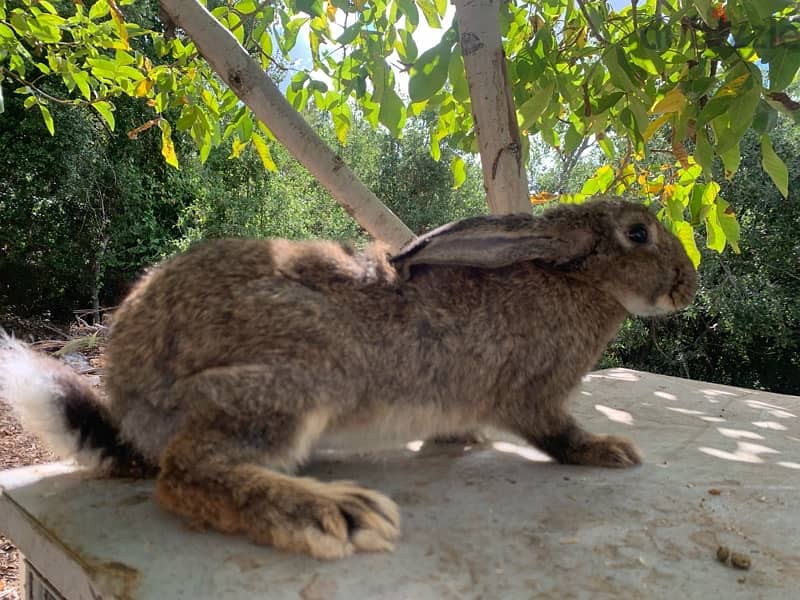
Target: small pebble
(714, 492)
(740, 561)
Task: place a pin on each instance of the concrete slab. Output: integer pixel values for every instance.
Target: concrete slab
(722, 468)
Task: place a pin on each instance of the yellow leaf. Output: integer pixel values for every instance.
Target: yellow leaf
(116, 14)
(263, 153)
(674, 101)
(580, 41)
(655, 126)
(654, 188)
(236, 148)
(542, 197)
(143, 88)
(330, 10)
(167, 146)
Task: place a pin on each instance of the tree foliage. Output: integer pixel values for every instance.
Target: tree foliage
(744, 327)
(83, 212)
(701, 73)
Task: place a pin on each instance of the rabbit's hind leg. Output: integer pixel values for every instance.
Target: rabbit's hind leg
(213, 480)
(225, 467)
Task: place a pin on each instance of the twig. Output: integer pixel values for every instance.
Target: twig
(55, 330)
(589, 23)
(39, 92)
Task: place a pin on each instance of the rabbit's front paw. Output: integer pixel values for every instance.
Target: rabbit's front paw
(606, 451)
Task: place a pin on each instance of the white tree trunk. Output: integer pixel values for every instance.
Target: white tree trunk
(504, 176)
(252, 85)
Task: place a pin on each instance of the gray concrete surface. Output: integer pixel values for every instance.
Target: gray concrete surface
(722, 468)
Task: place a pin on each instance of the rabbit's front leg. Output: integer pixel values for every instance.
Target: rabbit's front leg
(568, 443)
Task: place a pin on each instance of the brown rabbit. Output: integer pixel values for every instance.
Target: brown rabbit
(229, 362)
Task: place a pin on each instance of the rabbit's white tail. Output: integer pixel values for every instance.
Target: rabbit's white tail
(57, 405)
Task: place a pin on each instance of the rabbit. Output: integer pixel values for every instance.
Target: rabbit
(227, 364)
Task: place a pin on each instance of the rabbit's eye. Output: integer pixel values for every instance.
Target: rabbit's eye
(638, 233)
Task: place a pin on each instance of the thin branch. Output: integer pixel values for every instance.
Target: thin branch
(589, 23)
(245, 77)
(39, 92)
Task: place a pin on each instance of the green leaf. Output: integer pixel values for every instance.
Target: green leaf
(43, 31)
(429, 72)
(619, 69)
(409, 9)
(530, 110)
(704, 9)
(406, 46)
(430, 12)
(392, 111)
(459, 169)
(105, 110)
(774, 166)
(311, 7)
(729, 224)
(714, 108)
(783, 66)
(703, 152)
(715, 236)
(604, 176)
(349, 34)
(99, 9)
(730, 160)
(766, 117)
(606, 102)
(245, 7)
(685, 233)
(456, 74)
(48, 119)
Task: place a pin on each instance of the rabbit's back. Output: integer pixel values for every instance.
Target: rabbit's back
(293, 305)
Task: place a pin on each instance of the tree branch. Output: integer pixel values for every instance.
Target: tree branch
(599, 36)
(244, 76)
(493, 107)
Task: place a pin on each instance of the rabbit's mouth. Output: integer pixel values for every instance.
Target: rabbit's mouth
(646, 307)
(678, 297)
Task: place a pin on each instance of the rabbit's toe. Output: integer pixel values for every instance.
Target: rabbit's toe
(348, 518)
(608, 451)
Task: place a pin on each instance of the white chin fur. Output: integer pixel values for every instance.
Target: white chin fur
(638, 306)
(29, 384)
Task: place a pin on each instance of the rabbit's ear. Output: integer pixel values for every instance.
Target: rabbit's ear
(497, 241)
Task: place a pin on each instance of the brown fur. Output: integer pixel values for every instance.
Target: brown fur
(227, 363)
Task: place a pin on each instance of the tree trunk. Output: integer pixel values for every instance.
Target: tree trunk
(97, 277)
(504, 176)
(252, 85)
